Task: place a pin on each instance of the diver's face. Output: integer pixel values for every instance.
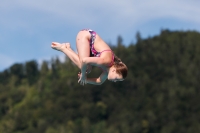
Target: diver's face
(113, 76)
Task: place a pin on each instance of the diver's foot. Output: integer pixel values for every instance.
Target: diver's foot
(58, 46)
(67, 45)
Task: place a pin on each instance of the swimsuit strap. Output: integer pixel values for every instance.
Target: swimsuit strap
(111, 63)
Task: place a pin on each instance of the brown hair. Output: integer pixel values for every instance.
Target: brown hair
(121, 68)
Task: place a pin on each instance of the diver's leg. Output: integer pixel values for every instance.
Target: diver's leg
(66, 49)
(82, 44)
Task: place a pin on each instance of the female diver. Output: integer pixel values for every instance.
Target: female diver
(93, 51)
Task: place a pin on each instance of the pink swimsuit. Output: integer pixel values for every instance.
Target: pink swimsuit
(93, 51)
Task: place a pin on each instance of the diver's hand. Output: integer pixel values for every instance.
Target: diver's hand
(82, 79)
(89, 69)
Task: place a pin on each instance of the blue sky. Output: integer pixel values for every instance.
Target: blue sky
(27, 28)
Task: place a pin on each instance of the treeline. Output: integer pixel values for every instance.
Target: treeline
(160, 95)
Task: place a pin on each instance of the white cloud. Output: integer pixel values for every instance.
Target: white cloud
(111, 13)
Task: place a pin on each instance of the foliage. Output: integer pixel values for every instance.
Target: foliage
(160, 94)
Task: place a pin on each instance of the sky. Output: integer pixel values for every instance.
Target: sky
(28, 27)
